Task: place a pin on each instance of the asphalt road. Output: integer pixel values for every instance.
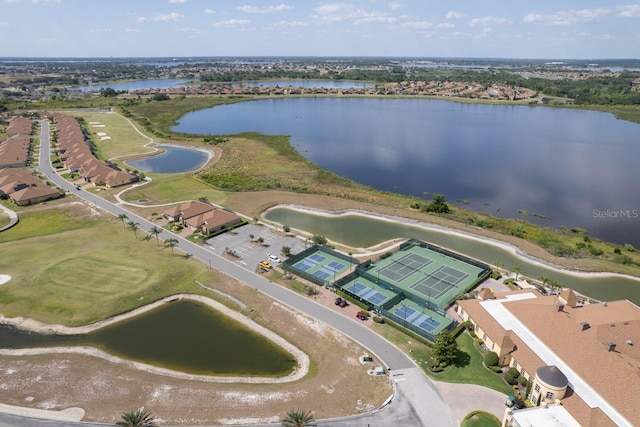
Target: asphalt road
(416, 401)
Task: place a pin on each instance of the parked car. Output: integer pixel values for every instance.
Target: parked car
(339, 301)
(274, 259)
(265, 264)
(362, 315)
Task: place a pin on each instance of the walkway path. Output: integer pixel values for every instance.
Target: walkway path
(13, 218)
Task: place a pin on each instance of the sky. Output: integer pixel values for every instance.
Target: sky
(560, 29)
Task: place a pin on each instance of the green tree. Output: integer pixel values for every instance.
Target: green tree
(134, 226)
(172, 243)
(108, 92)
(123, 217)
(298, 418)
(517, 269)
(445, 348)
(137, 418)
(156, 231)
(286, 250)
(319, 239)
(286, 228)
(438, 204)
(491, 358)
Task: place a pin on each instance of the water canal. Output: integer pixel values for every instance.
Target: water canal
(362, 231)
(183, 336)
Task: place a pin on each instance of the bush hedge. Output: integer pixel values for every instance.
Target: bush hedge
(491, 359)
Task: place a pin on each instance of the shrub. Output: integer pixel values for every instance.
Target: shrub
(514, 372)
(523, 381)
(491, 359)
(629, 247)
(495, 274)
(378, 319)
(496, 369)
(509, 378)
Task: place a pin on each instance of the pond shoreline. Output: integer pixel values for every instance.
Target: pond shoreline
(302, 359)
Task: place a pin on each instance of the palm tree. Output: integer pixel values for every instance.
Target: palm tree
(171, 242)
(137, 418)
(122, 217)
(134, 226)
(298, 418)
(517, 269)
(155, 231)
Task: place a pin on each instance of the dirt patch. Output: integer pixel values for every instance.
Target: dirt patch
(338, 384)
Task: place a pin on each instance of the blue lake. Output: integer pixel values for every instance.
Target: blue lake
(576, 167)
(173, 160)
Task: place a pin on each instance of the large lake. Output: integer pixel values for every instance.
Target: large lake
(136, 85)
(576, 167)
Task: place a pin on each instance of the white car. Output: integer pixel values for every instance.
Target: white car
(275, 259)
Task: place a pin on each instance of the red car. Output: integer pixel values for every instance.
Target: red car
(362, 315)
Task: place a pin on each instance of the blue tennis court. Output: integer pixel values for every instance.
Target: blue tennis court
(366, 293)
(419, 319)
(317, 257)
(321, 274)
(336, 265)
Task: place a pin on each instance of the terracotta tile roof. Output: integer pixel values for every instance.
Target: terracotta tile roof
(213, 219)
(615, 375)
(189, 209)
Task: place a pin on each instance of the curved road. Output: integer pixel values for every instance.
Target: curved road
(416, 401)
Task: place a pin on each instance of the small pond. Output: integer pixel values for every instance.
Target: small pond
(308, 84)
(185, 336)
(172, 160)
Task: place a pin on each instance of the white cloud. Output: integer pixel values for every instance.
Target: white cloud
(337, 12)
(488, 21)
(455, 15)
(395, 5)
(264, 10)
(446, 25)
(209, 11)
(290, 24)
(45, 2)
(133, 30)
(13, 1)
(177, 1)
(566, 17)
(231, 23)
(100, 30)
(417, 25)
(162, 17)
(3, 24)
(187, 30)
(628, 11)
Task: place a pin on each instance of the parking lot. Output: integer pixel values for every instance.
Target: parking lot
(252, 252)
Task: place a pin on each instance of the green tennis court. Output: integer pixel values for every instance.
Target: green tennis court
(432, 276)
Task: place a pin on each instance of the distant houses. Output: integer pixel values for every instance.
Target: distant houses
(17, 183)
(202, 217)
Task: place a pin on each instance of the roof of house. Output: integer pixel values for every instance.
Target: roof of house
(552, 376)
(189, 209)
(586, 351)
(213, 219)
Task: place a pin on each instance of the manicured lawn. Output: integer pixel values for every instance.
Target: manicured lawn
(57, 220)
(124, 139)
(481, 419)
(87, 273)
(170, 188)
(4, 219)
(468, 369)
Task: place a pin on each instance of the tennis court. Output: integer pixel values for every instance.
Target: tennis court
(419, 317)
(368, 291)
(432, 277)
(322, 265)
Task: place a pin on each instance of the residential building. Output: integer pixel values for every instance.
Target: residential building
(593, 346)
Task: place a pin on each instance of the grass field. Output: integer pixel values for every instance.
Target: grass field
(481, 419)
(124, 139)
(169, 188)
(90, 269)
